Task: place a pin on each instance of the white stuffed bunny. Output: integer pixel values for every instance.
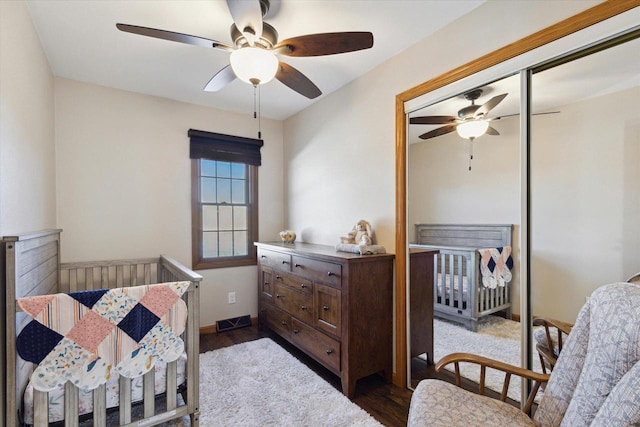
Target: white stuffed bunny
(360, 234)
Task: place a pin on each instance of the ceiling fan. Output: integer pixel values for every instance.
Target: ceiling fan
(470, 123)
(255, 46)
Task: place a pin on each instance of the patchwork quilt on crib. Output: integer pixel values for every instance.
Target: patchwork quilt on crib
(85, 398)
(86, 337)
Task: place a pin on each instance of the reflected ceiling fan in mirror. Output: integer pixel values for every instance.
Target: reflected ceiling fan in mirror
(470, 123)
(255, 48)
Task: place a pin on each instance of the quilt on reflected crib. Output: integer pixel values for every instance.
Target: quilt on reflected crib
(495, 266)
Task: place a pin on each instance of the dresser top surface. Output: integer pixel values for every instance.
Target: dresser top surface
(326, 252)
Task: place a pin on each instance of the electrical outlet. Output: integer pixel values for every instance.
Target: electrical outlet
(232, 297)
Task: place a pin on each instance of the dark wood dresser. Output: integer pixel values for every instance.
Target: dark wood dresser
(335, 306)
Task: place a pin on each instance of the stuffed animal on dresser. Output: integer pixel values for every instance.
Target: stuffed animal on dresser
(360, 234)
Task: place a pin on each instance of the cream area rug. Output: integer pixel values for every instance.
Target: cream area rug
(496, 338)
(258, 383)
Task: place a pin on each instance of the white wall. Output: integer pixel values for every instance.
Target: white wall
(585, 205)
(124, 183)
(340, 152)
(27, 151)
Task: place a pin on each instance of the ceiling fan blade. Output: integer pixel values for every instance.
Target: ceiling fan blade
(173, 36)
(492, 131)
(221, 79)
(506, 116)
(432, 120)
(489, 105)
(297, 81)
(325, 44)
(439, 131)
(247, 15)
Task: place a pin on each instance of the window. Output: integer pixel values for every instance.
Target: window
(224, 199)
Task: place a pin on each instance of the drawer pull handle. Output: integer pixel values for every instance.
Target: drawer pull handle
(279, 296)
(284, 323)
(285, 262)
(297, 265)
(296, 331)
(325, 308)
(303, 307)
(263, 256)
(331, 273)
(266, 283)
(303, 286)
(328, 352)
(278, 276)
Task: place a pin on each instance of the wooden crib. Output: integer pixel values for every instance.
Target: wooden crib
(459, 295)
(31, 266)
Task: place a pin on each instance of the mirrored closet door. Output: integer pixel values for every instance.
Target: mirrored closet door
(585, 176)
(463, 197)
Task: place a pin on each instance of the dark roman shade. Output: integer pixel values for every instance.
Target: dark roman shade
(217, 146)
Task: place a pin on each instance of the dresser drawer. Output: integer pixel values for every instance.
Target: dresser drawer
(277, 320)
(317, 344)
(328, 306)
(275, 259)
(294, 282)
(266, 284)
(298, 304)
(319, 271)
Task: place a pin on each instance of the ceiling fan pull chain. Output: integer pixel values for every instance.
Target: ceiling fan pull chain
(255, 88)
(256, 107)
(470, 151)
(259, 116)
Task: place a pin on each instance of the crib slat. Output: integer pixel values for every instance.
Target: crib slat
(456, 276)
(81, 278)
(119, 276)
(134, 275)
(147, 274)
(443, 278)
(89, 276)
(105, 277)
(125, 399)
(70, 405)
(73, 280)
(172, 385)
(40, 408)
(100, 406)
(149, 393)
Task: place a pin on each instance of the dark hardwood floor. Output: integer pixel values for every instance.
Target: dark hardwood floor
(387, 403)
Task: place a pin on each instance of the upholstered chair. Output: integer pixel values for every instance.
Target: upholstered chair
(595, 380)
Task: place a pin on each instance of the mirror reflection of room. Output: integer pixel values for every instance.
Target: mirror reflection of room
(585, 181)
(464, 202)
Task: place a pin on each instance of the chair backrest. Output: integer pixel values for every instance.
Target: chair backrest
(595, 381)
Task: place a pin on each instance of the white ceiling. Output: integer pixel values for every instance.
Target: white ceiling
(82, 43)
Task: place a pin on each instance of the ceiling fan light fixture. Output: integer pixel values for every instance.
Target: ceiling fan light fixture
(254, 65)
(472, 129)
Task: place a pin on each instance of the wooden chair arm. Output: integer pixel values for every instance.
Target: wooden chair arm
(484, 362)
(562, 326)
